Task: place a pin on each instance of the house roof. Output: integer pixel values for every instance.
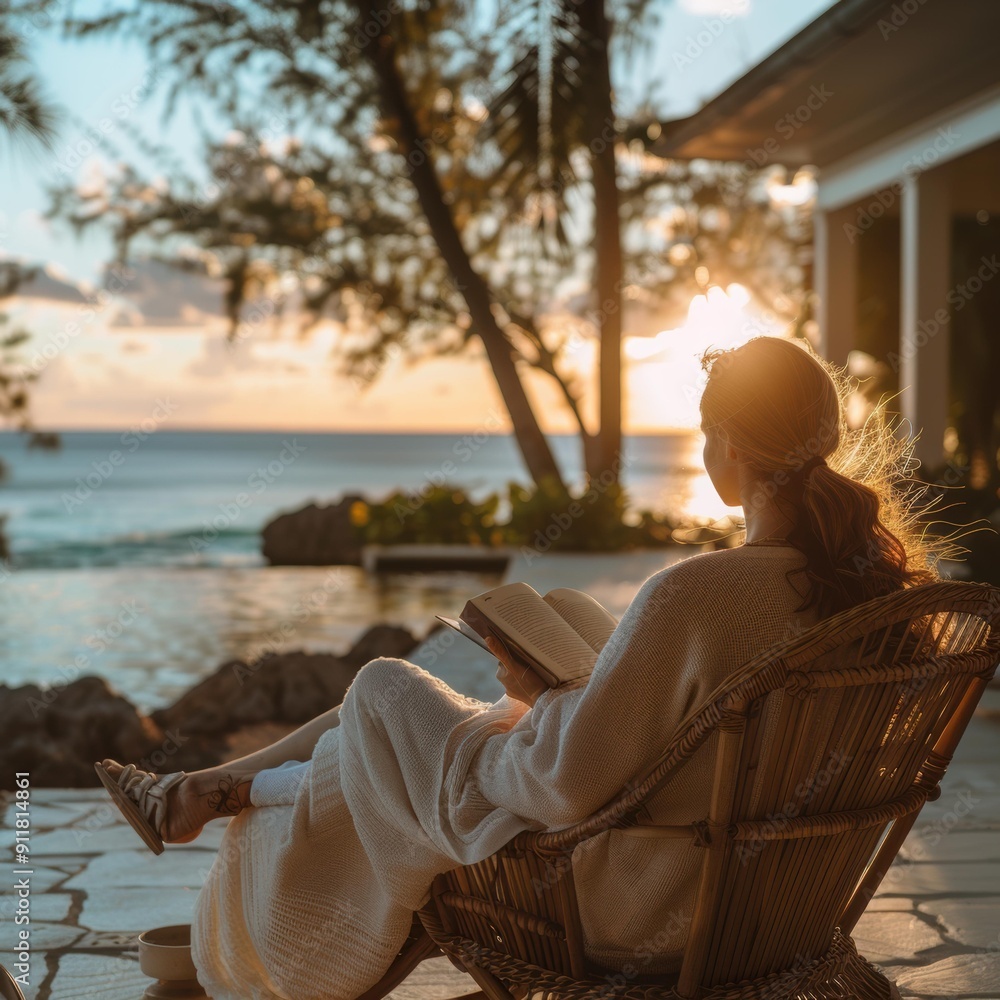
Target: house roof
(862, 70)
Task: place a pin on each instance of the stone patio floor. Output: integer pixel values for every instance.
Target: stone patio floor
(934, 925)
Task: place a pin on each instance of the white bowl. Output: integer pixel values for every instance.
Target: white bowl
(165, 953)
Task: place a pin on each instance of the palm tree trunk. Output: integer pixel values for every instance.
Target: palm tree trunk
(534, 447)
(607, 238)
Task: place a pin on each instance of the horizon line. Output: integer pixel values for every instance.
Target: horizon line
(11, 431)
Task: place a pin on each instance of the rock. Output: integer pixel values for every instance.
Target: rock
(314, 536)
(288, 687)
(56, 734)
(279, 687)
(380, 640)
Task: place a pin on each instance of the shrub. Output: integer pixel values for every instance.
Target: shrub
(594, 519)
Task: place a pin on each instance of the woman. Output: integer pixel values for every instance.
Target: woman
(340, 827)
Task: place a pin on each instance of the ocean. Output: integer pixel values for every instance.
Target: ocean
(137, 557)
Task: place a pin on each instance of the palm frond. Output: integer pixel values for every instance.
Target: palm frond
(24, 111)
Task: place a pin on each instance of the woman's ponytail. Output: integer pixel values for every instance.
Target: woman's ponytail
(851, 556)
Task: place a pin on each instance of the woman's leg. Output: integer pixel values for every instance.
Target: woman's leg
(297, 745)
(224, 790)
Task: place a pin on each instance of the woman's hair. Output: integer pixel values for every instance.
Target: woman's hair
(855, 520)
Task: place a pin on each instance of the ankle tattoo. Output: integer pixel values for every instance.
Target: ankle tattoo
(230, 797)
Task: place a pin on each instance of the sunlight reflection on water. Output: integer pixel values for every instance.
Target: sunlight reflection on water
(109, 588)
(153, 632)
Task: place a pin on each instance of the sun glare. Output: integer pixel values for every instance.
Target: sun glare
(665, 375)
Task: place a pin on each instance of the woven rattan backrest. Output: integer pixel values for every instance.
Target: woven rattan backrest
(821, 747)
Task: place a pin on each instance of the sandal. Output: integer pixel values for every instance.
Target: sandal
(142, 798)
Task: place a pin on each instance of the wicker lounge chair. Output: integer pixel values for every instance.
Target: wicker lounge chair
(883, 692)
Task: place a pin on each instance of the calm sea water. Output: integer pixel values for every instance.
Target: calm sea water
(139, 559)
(200, 499)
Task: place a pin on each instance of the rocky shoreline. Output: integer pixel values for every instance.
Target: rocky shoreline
(57, 733)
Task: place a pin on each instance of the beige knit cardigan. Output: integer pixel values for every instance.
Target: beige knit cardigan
(312, 892)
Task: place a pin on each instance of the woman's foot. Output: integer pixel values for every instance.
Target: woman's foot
(197, 797)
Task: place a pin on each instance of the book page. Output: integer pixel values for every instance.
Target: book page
(543, 634)
(584, 615)
(467, 630)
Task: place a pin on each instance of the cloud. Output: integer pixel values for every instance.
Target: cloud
(160, 294)
(147, 294)
(42, 281)
(221, 356)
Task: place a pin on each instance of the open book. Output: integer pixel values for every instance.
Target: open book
(558, 635)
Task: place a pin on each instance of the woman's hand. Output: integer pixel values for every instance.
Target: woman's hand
(521, 683)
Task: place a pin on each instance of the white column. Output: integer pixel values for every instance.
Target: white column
(835, 276)
(925, 277)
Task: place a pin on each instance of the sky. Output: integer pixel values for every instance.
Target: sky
(109, 367)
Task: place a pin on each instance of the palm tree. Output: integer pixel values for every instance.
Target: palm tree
(391, 65)
(438, 157)
(559, 102)
(332, 64)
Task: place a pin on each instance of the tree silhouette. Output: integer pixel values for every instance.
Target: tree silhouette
(432, 194)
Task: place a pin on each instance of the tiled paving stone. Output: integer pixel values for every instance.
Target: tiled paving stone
(117, 909)
(886, 904)
(119, 942)
(922, 878)
(888, 937)
(976, 975)
(48, 937)
(934, 924)
(50, 906)
(434, 979)
(44, 877)
(68, 863)
(972, 922)
(98, 977)
(959, 844)
(71, 794)
(76, 799)
(69, 840)
(47, 817)
(172, 869)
